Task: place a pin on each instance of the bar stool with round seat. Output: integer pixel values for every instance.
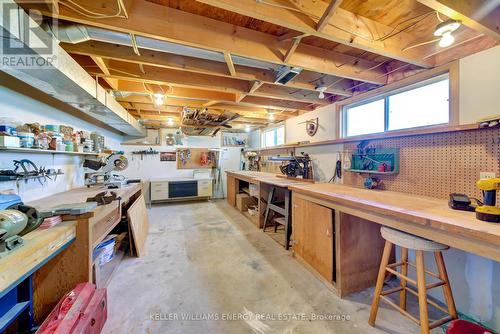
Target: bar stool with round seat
(419, 245)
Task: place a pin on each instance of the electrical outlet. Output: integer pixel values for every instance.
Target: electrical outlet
(487, 175)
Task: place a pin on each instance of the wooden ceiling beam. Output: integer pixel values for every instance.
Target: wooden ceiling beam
(284, 93)
(172, 25)
(202, 82)
(327, 15)
(229, 62)
(267, 102)
(179, 92)
(190, 64)
(480, 15)
(101, 63)
(165, 76)
(291, 50)
(349, 28)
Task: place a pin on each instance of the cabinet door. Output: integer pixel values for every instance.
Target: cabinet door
(313, 235)
(231, 190)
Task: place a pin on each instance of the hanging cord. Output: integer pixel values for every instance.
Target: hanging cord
(393, 32)
(91, 14)
(337, 174)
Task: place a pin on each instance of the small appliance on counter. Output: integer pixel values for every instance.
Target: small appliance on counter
(16, 220)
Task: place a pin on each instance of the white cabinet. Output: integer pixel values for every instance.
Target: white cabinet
(204, 188)
(159, 190)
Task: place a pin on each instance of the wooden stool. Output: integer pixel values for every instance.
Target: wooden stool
(283, 208)
(420, 245)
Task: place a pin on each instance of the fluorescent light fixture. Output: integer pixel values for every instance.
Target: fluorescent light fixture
(445, 30)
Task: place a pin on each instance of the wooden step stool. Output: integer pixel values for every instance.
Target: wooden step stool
(419, 245)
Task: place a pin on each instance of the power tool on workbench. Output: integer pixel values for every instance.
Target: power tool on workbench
(489, 211)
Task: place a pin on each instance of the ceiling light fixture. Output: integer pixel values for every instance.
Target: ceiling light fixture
(321, 90)
(170, 121)
(159, 99)
(247, 128)
(271, 114)
(445, 30)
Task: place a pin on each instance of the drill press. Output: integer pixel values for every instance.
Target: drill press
(489, 211)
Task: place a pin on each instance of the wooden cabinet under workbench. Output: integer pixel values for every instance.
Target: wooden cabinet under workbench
(344, 250)
(313, 236)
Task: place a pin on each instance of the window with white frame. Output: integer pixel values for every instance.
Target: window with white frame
(273, 136)
(419, 105)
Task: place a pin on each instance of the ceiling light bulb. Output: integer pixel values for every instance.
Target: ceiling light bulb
(321, 95)
(158, 99)
(247, 128)
(170, 121)
(271, 117)
(446, 40)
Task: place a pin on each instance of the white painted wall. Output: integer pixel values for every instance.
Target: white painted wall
(151, 167)
(295, 128)
(480, 85)
(29, 110)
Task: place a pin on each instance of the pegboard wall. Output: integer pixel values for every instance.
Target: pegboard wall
(439, 164)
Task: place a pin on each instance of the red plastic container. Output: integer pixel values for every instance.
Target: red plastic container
(82, 310)
(465, 327)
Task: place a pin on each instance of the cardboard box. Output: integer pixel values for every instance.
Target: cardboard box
(243, 201)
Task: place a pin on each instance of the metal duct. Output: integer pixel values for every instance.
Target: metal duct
(67, 33)
(77, 33)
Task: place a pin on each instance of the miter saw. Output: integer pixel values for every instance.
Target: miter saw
(16, 220)
(115, 162)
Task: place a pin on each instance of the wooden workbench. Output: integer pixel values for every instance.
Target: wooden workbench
(75, 265)
(263, 180)
(17, 268)
(356, 216)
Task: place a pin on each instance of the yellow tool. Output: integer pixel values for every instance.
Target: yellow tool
(489, 211)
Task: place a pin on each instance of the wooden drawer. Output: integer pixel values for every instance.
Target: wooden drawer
(159, 194)
(159, 185)
(205, 188)
(102, 227)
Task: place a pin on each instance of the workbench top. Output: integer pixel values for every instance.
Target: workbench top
(38, 247)
(424, 211)
(79, 195)
(269, 178)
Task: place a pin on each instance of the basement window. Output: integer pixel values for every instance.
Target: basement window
(273, 137)
(420, 105)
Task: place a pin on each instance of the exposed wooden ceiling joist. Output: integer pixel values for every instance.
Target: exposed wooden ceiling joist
(101, 63)
(168, 24)
(480, 15)
(348, 28)
(190, 64)
(155, 75)
(327, 15)
(180, 92)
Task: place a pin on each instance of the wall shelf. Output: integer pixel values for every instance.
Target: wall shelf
(37, 150)
(366, 171)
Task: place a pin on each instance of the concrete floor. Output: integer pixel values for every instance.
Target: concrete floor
(206, 260)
